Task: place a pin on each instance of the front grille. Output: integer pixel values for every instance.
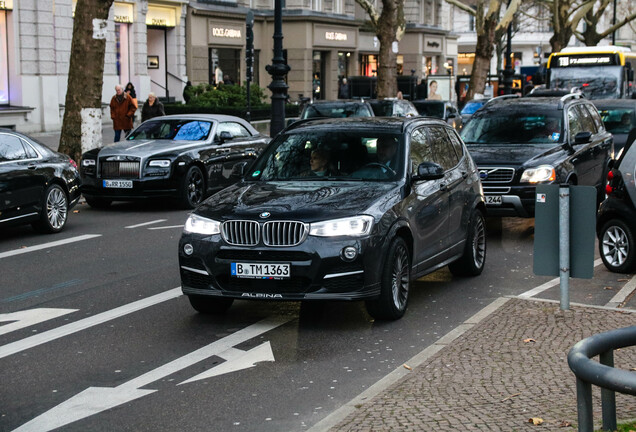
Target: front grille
(243, 233)
(120, 169)
(284, 233)
(263, 256)
(274, 233)
(293, 285)
(496, 175)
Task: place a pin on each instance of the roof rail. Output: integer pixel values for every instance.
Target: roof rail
(508, 96)
(575, 95)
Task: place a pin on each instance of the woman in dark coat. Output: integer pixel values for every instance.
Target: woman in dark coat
(152, 108)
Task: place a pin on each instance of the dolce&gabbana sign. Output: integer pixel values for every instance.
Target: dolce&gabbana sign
(335, 37)
(226, 33)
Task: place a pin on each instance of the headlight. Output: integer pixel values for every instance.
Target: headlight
(200, 225)
(540, 174)
(88, 162)
(161, 163)
(354, 227)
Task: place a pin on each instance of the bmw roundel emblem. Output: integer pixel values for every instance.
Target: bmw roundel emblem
(265, 215)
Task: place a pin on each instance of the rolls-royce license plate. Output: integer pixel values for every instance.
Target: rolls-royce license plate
(120, 184)
(261, 270)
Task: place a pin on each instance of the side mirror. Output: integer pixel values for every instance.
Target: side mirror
(428, 171)
(225, 136)
(239, 169)
(583, 138)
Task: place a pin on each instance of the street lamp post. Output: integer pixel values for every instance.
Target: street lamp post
(508, 70)
(278, 69)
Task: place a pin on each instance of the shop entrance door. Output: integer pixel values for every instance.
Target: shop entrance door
(318, 74)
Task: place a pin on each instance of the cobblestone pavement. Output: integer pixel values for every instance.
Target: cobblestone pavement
(509, 368)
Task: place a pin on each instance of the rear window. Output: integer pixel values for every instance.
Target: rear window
(337, 111)
(518, 125)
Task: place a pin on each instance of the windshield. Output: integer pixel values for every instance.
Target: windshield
(314, 155)
(618, 120)
(430, 109)
(382, 108)
(514, 126)
(172, 129)
(596, 82)
(471, 107)
(353, 109)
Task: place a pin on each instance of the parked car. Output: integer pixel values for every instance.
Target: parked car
(471, 107)
(337, 109)
(518, 143)
(183, 157)
(392, 107)
(403, 199)
(619, 117)
(37, 185)
(616, 219)
(440, 109)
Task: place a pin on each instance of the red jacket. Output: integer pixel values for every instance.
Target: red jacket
(122, 112)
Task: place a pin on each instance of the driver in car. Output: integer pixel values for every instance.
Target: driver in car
(384, 168)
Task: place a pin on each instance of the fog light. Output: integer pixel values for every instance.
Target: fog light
(349, 253)
(188, 249)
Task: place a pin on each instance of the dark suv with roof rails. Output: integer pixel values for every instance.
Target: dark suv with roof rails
(519, 142)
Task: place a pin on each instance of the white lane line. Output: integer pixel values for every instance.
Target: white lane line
(546, 286)
(623, 293)
(26, 318)
(166, 227)
(47, 245)
(85, 323)
(146, 223)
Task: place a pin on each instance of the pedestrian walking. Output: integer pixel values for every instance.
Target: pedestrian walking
(130, 89)
(343, 91)
(122, 111)
(227, 80)
(152, 108)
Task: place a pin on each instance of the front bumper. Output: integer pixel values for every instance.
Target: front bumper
(516, 201)
(142, 188)
(318, 272)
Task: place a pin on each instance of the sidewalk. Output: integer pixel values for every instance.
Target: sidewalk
(501, 368)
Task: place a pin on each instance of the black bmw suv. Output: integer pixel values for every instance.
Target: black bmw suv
(518, 143)
(339, 209)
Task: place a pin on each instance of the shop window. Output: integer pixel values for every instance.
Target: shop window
(343, 64)
(122, 52)
(4, 60)
(224, 63)
(368, 65)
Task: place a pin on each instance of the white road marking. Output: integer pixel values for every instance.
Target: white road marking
(166, 227)
(146, 223)
(546, 286)
(623, 293)
(47, 245)
(47, 336)
(96, 399)
(27, 318)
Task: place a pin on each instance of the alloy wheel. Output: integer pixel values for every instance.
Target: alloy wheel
(56, 208)
(479, 242)
(615, 246)
(195, 187)
(400, 277)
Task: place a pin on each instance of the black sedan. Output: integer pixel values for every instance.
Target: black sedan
(439, 109)
(37, 185)
(184, 157)
(339, 209)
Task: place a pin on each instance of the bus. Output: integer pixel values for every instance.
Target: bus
(601, 72)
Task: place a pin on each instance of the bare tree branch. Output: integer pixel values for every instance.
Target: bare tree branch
(461, 6)
(371, 10)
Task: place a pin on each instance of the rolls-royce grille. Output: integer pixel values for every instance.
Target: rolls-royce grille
(274, 233)
(243, 233)
(120, 169)
(284, 233)
(496, 175)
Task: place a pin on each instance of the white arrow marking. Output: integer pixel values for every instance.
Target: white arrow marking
(236, 360)
(146, 223)
(28, 318)
(97, 399)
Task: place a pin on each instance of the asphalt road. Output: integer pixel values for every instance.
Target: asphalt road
(95, 335)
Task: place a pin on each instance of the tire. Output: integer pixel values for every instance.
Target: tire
(394, 284)
(210, 305)
(616, 246)
(99, 203)
(54, 211)
(473, 260)
(192, 189)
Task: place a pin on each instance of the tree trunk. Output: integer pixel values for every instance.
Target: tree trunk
(483, 54)
(387, 60)
(86, 72)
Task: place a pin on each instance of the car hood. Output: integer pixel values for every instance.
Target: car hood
(143, 148)
(308, 201)
(514, 154)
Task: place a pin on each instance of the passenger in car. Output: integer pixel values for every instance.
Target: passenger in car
(320, 164)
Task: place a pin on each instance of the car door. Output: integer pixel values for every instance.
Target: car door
(429, 204)
(602, 143)
(583, 158)
(21, 181)
(460, 193)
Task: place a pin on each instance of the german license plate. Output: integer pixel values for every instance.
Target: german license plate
(120, 184)
(260, 270)
(494, 200)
